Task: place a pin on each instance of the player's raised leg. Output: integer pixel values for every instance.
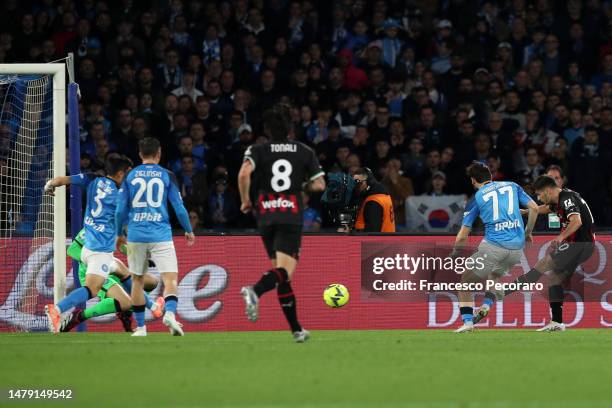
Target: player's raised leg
(113, 299)
(98, 266)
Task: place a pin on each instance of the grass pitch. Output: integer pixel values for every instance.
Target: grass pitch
(489, 368)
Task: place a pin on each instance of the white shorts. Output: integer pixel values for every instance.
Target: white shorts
(98, 263)
(162, 254)
(114, 266)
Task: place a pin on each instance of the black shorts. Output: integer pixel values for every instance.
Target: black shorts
(568, 255)
(285, 238)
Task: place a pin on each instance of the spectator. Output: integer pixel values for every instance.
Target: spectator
(351, 116)
(185, 149)
(559, 155)
(427, 118)
(494, 165)
(433, 162)
(533, 168)
(438, 185)
(195, 221)
(188, 87)
(399, 187)
(575, 130)
(222, 205)
(380, 126)
(590, 170)
(378, 160)
(326, 149)
(391, 43)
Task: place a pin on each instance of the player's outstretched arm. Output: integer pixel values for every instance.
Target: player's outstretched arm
(81, 179)
(55, 182)
(244, 185)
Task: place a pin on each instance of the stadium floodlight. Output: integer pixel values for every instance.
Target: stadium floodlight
(32, 224)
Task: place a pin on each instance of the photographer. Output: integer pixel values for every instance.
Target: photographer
(375, 212)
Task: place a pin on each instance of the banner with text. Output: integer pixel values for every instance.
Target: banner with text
(216, 267)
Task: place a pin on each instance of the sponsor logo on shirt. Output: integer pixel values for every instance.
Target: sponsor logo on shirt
(501, 226)
(147, 217)
(271, 203)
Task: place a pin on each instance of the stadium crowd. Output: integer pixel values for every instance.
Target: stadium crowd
(415, 90)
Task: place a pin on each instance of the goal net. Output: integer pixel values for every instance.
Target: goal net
(32, 224)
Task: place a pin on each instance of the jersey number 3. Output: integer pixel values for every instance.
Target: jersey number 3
(152, 200)
(281, 175)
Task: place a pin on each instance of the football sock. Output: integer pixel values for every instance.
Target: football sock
(103, 307)
(555, 297)
(489, 299)
(171, 303)
(127, 284)
(530, 277)
(467, 313)
(139, 315)
(76, 297)
(269, 280)
(286, 298)
(148, 301)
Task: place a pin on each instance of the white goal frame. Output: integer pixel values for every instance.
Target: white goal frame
(59, 163)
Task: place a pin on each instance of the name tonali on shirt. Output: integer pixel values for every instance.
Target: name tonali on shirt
(280, 169)
(570, 203)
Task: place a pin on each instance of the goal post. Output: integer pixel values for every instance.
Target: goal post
(32, 225)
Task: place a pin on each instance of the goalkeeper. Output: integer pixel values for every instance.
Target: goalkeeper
(113, 296)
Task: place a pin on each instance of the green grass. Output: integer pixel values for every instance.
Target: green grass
(379, 369)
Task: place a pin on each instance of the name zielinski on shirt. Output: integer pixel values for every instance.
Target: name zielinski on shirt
(148, 173)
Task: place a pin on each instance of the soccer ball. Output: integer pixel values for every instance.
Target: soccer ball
(336, 295)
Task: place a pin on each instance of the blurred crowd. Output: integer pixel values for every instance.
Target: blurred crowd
(415, 90)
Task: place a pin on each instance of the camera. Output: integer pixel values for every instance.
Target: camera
(339, 201)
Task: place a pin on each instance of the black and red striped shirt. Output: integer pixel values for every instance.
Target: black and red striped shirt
(570, 202)
(280, 170)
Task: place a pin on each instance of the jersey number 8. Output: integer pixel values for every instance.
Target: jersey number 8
(143, 185)
(281, 175)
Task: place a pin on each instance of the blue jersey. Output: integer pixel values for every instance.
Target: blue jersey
(99, 220)
(497, 203)
(143, 204)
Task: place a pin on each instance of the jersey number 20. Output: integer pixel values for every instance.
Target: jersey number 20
(143, 186)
